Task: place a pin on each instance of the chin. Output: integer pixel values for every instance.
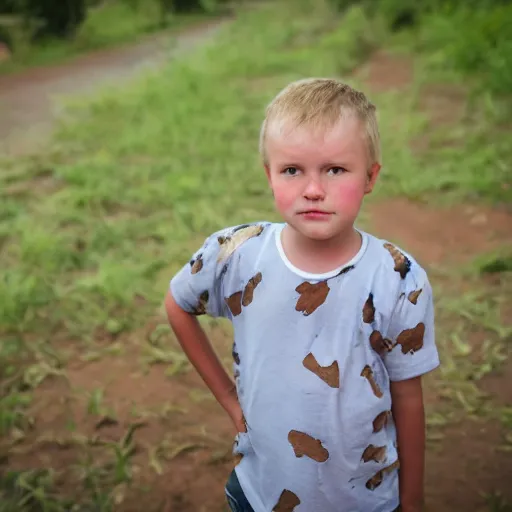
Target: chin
(320, 235)
(317, 231)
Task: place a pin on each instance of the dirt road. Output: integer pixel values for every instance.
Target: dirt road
(29, 100)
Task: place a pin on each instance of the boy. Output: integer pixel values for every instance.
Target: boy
(333, 327)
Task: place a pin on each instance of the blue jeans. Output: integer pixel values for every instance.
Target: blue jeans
(235, 495)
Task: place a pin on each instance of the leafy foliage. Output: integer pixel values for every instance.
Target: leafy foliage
(472, 36)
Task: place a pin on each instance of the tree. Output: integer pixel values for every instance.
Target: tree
(59, 18)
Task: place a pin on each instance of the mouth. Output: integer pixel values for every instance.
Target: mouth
(314, 215)
(313, 212)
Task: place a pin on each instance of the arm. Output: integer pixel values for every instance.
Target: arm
(199, 350)
(409, 417)
(412, 329)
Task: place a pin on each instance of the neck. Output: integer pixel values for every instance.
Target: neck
(320, 256)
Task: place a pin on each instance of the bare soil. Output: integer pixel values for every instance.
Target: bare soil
(386, 72)
(448, 235)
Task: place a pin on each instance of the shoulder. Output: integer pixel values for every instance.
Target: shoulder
(225, 242)
(397, 270)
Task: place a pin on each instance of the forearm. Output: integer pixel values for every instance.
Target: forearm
(199, 351)
(409, 416)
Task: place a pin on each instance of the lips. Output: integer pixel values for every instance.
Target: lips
(314, 215)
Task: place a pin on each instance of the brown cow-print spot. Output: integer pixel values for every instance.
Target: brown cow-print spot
(369, 310)
(239, 299)
(234, 303)
(402, 262)
(312, 296)
(411, 339)
(380, 344)
(197, 264)
(413, 296)
(367, 373)
(376, 479)
(375, 453)
(287, 502)
(249, 289)
(200, 309)
(329, 374)
(303, 444)
(381, 420)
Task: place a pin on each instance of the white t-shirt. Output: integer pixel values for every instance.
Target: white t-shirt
(314, 355)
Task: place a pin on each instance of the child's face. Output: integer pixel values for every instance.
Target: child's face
(319, 179)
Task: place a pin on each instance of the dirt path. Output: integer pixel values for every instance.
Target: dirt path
(29, 100)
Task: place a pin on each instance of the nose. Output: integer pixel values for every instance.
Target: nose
(314, 190)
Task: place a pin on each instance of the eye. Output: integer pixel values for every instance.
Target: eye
(336, 171)
(291, 171)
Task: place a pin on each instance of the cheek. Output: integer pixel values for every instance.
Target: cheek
(350, 195)
(284, 196)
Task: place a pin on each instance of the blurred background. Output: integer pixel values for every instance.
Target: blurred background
(129, 132)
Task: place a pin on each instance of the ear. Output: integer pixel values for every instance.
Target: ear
(371, 177)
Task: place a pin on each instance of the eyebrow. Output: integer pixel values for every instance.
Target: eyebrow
(327, 165)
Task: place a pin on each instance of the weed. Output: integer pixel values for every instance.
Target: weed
(30, 491)
(95, 402)
(497, 503)
(472, 339)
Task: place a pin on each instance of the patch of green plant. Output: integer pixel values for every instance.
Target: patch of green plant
(30, 491)
(470, 36)
(472, 338)
(497, 262)
(481, 46)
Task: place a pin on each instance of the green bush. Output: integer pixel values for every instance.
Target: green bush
(474, 41)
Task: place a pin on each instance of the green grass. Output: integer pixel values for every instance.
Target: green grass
(92, 230)
(110, 24)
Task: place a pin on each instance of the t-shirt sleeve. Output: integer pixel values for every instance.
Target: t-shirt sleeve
(411, 330)
(197, 287)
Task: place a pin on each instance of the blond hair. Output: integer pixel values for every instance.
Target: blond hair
(321, 102)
